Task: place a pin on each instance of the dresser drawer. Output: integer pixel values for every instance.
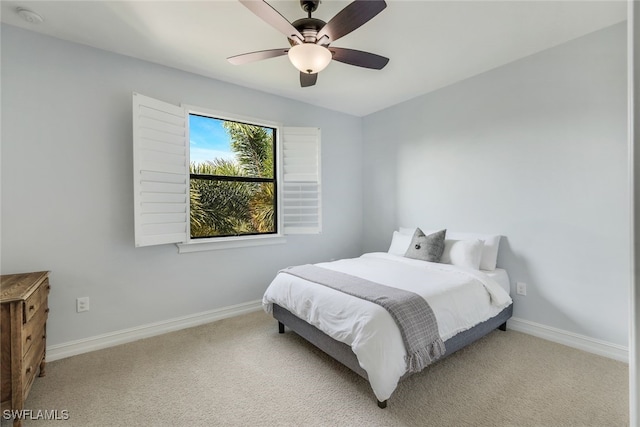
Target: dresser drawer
(34, 330)
(35, 300)
(31, 362)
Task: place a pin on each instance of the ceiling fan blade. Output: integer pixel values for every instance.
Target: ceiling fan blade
(307, 79)
(358, 58)
(246, 58)
(272, 17)
(348, 19)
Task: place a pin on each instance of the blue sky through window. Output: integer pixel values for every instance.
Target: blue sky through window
(208, 140)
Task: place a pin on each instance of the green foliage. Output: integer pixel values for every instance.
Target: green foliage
(233, 207)
(253, 147)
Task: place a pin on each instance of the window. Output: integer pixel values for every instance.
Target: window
(232, 173)
(265, 183)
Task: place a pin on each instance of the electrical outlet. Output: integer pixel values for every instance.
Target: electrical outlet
(82, 304)
(521, 288)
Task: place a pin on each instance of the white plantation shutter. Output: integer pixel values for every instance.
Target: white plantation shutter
(160, 172)
(301, 203)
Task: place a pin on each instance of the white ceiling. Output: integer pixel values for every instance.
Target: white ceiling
(431, 44)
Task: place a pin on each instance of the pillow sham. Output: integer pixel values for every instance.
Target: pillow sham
(399, 243)
(491, 242)
(463, 253)
(426, 247)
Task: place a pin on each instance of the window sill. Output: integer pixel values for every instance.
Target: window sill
(229, 243)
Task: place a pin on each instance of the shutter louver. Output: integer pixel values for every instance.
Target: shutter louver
(301, 204)
(161, 167)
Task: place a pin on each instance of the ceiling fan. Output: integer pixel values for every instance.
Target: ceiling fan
(310, 37)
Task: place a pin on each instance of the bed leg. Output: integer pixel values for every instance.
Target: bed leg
(382, 405)
(503, 327)
(280, 327)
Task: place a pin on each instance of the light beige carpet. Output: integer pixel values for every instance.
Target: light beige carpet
(241, 372)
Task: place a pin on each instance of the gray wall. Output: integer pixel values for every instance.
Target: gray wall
(535, 151)
(67, 188)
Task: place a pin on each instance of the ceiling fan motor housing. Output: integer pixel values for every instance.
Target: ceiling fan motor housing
(309, 28)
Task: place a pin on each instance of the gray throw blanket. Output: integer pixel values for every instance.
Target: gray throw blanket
(412, 314)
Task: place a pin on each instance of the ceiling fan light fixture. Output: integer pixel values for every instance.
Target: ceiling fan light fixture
(309, 58)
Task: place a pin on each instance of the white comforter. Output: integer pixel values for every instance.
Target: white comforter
(460, 298)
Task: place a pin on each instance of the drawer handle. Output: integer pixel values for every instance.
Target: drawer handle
(48, 287)
(31, 307)
(28, 338)
(28, 370)
(47, 310)
(44, 337)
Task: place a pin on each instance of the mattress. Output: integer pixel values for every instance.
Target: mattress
(460, 298)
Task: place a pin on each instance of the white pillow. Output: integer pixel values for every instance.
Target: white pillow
(400, 243)
(463, 253)
(489, 250)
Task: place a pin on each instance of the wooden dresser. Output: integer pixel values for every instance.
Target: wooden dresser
(23, 328)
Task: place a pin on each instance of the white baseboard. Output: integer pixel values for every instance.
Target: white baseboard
(85, 345)
(581, 342)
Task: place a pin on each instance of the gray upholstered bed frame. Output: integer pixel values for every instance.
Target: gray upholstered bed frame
(343, 354)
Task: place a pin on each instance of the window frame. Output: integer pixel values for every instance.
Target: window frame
(224, 242)
(161, 160)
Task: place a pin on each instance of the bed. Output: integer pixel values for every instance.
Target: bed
(466, 292)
